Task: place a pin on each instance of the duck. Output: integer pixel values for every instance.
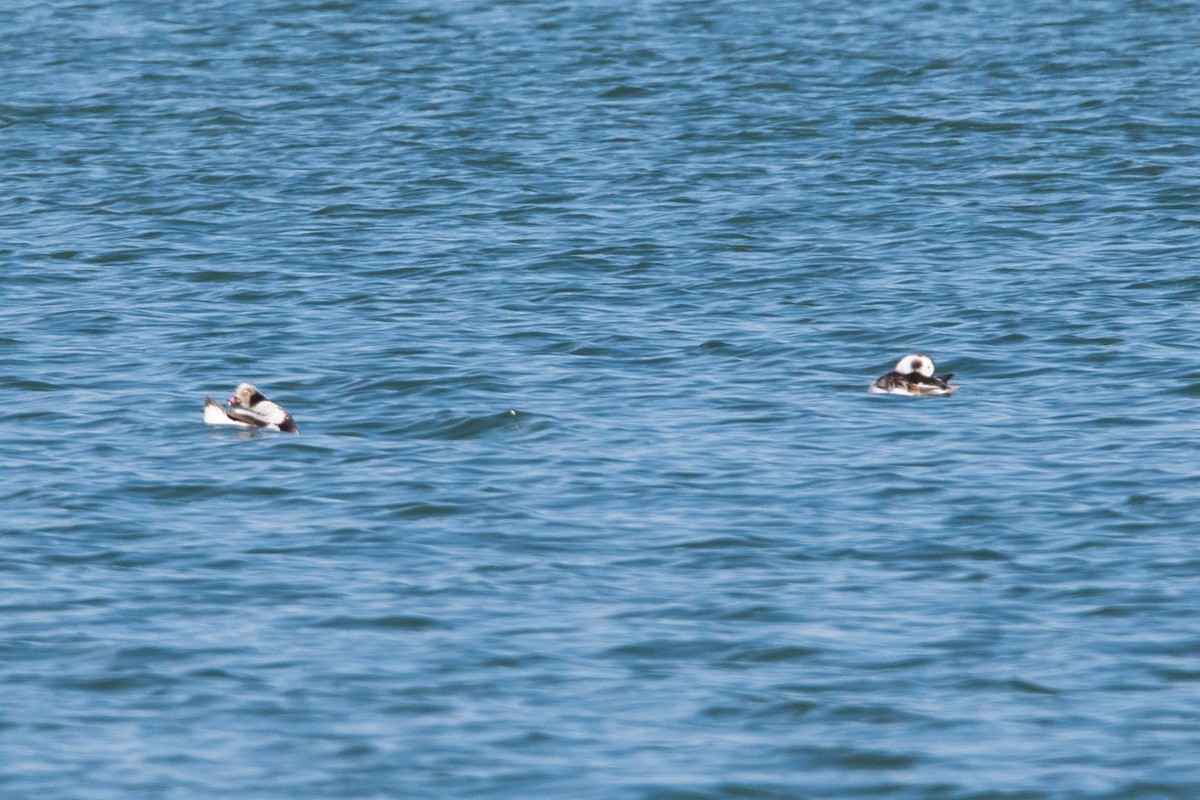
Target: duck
(913, 376)
(249, 408)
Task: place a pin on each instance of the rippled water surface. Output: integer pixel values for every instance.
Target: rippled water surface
(575, 304)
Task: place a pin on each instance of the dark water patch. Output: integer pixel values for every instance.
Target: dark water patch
(211, 275)
(758, 613)
(453, 427)
(849, 758)
(935, 553)
(667, 650)
(715, 543)
(789, 709)
(770, 655)
(147, 654)
(1109, 611)
(273, 295)
(198, 492)
(33, 386)
(425, 510)
(878, 715)
(1017, 685)
(512, 662)
(417, 709)
(384, 623)
(102, 557)
(1176, 674)
(1188, 390)
(118, 684)
(1033, 688)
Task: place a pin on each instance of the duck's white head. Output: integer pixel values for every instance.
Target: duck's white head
(245, 395)
(917, 362)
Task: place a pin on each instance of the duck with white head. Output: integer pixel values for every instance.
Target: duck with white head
(249, 408)
(913, 376)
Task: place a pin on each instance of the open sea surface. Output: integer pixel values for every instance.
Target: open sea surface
(575, 304)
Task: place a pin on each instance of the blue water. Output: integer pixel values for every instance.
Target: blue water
(575, 305)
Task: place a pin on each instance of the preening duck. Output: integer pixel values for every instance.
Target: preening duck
(913, 376)
(248, 408)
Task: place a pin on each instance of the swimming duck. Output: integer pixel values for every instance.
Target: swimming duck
(255, 411)
(912, 376)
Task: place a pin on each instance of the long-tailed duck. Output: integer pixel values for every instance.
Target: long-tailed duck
(913, 375)
(254, 411)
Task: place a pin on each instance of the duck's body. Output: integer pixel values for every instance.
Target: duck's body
(913, 376)
(248, 408)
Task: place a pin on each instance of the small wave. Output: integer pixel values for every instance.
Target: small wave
(407, 622)
(454, 427)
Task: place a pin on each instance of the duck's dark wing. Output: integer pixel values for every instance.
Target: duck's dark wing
(893, 380)
(940, 381)
(929, 380)
(245, 417)
(938, 384)
(912, 383)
